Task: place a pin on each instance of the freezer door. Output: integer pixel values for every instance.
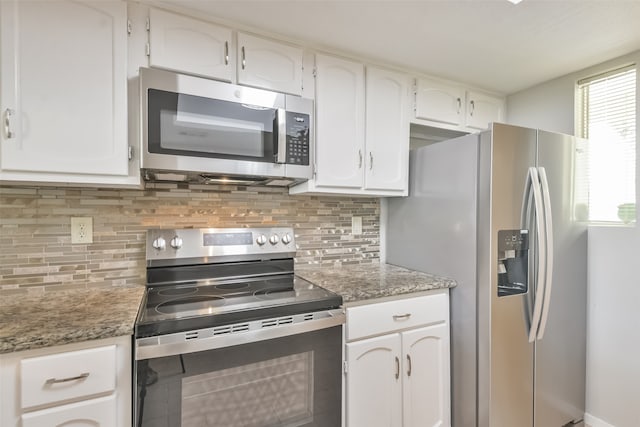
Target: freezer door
(560, 354)
(505, 355)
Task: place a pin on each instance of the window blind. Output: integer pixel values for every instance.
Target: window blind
(607, 118)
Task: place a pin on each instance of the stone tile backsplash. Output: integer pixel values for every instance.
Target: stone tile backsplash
(36, 254)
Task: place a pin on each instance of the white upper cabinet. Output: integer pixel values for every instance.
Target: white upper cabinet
(189, 45)
(439, 102)
(452, 106)
(64, 93)
(483, 109)
(387, 130)
(339, 122)
(362, 130)
(269, 65)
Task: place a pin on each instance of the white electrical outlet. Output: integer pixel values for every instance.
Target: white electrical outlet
(356, 225)
(82, 230)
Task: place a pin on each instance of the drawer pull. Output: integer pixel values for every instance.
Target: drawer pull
(80, 377)
(401, 316)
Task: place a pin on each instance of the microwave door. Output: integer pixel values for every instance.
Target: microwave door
(189, 125)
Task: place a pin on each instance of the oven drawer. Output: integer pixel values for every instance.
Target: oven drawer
(69, 375)
(383, 317)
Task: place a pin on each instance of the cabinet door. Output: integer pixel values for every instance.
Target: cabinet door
(373, 391)
(269, 65)
(64, 87)
(340, 122)
(90, 413)
(439, 102)
(387, 130)
(426, 398)
(483, 109)
(189, 45)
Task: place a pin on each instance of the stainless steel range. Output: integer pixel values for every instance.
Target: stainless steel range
(227, 335)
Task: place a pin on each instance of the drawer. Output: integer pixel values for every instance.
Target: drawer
(389, 316)
(99, 412)
(69, 375)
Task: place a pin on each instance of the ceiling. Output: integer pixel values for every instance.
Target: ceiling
(491, 44)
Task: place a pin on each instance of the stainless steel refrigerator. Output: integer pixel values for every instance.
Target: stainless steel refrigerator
(496, 211)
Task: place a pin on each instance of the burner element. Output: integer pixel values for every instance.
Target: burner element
(232, 286)
(172, 292)
(190, 303)
(274, 293)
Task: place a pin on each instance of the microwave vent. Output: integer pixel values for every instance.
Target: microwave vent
(216, 179)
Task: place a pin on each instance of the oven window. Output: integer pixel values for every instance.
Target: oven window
(253, 385)
(290, 381)
(204, 127)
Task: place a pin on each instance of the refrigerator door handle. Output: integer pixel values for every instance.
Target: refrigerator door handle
(542, 252)
(546, 199)
(525, 224)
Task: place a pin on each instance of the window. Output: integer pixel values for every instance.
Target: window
(607, 118)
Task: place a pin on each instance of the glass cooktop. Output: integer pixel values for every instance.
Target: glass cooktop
(206, 303)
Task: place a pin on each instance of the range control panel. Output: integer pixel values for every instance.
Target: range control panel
(173, 244)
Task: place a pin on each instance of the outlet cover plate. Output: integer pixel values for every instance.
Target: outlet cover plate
(356, 225)
(82, 230)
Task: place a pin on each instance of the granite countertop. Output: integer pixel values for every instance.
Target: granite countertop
(34, 321)
(361, 282)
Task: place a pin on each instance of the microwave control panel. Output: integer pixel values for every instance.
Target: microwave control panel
(297, 125)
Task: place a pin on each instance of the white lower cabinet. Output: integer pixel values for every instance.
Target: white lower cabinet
(399, 379)
(91, 413)
(83, 384)
(374, 391)
(425, 386)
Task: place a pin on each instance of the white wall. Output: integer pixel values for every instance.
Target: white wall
(613, 327)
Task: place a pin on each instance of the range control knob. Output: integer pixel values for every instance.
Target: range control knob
(176, 242)
(261, 240)
(274, 239)
(286, 239)
(159, 244)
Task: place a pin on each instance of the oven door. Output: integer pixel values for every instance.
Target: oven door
(289, 381)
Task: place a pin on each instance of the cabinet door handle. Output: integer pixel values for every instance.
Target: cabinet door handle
(66, 380)
(401, 316)
(397, 367)
(7, 123)
(360, 155)
(244, 58)
(473, 107)
(459, 104)
(408, 365)
(226, 53)
(370, 160)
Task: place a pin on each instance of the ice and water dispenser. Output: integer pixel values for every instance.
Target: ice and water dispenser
(513, 262)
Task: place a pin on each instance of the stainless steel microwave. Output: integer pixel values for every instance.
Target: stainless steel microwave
(195, 129)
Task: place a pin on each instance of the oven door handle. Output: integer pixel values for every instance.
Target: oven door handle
(240, 333)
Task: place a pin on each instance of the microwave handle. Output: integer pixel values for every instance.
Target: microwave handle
(281, 138)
